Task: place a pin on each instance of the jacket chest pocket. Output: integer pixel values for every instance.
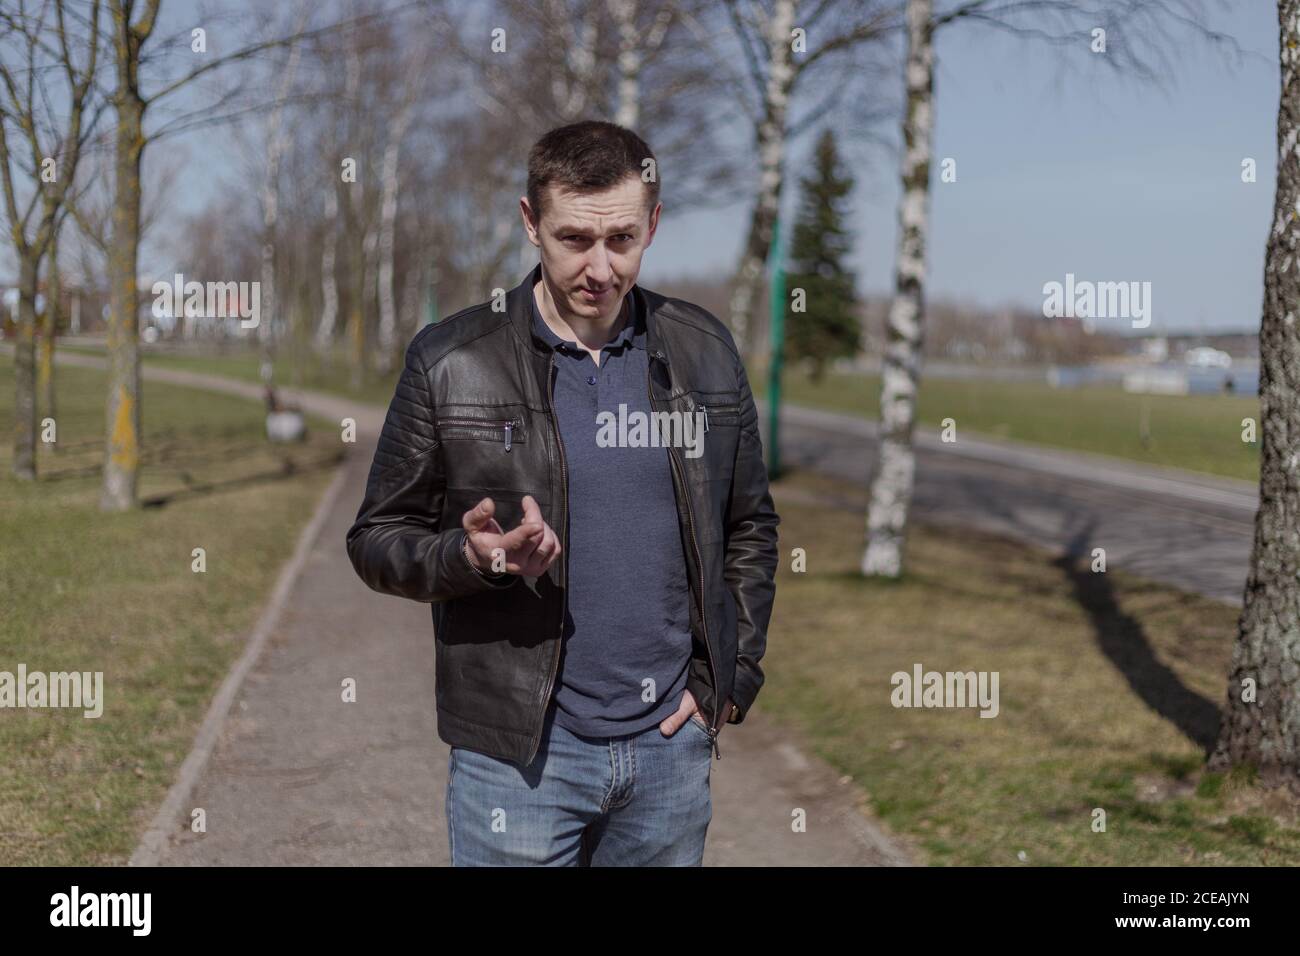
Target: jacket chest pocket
(506, 432)
(720, 414)
(486, 453)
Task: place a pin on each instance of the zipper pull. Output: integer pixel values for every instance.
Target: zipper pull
(705, 410)
(509, 427)
(716, 749)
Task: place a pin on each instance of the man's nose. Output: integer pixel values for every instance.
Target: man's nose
(599, 272)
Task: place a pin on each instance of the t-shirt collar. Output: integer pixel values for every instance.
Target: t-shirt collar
(632, 334)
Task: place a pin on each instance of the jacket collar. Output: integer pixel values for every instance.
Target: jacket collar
(519, 309)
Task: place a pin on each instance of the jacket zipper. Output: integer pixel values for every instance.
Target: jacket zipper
(699, 563)
(564, 602)
(507, 424)
(720, 409)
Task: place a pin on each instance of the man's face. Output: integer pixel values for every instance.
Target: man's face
(591, 245)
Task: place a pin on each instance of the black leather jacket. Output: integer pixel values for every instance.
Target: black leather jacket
(472, 417)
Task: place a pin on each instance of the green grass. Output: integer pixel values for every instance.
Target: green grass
(311, 372)
(1197, 432)
(87, 591)
(1072, 734)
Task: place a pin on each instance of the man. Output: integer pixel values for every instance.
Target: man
(573, 479)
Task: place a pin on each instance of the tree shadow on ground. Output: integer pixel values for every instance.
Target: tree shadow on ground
(288, 469)
(1122, 638)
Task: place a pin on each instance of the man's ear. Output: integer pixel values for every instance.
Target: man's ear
(530, 227)
(654, 223)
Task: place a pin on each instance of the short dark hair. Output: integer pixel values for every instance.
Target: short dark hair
(588, 156)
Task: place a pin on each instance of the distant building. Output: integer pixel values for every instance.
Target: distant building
(1155, 348)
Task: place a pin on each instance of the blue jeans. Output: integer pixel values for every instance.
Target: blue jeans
(635, 800)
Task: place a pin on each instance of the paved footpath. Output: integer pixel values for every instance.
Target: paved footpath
(298, 777)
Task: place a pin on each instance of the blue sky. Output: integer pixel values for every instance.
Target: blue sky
(1065, 169)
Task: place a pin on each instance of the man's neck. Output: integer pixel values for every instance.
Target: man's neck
(592, 334)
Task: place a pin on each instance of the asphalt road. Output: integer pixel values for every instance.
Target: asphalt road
(1191, 531)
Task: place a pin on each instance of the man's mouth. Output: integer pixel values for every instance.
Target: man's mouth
(591, 296)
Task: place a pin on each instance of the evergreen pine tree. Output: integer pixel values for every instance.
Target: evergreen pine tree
(828, 326)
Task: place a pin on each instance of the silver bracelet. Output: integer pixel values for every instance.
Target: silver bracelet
(491, 576)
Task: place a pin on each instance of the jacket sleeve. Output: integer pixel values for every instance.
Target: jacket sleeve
(396, 543)
(751, 554)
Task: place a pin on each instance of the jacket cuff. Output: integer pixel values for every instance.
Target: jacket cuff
(742, 697)
(464, 577)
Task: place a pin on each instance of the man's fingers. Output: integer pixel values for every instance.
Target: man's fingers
(518, 537)
(476, 518)
(554, 550)
(546, 549)
(531, 511)
(677, 719)
(534, 538)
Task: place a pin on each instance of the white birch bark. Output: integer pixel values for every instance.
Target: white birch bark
(329, 256)
(771, 141)
(329, 280)
(633, 49)
(387, 227)
(267, 330)
(891, 486)
(629, 63)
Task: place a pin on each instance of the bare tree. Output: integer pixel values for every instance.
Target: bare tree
(50, 326)
(1261, 726)
(334, 197)
(53, 135)
(784, 42)
(130, 35)
(386, 353)
(276, 140)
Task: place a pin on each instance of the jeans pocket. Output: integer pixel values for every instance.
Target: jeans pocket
(701, 727)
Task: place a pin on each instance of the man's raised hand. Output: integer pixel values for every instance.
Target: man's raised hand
(529, 549)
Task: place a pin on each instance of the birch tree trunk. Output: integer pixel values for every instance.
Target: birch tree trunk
(1262, 724)
(361, 272)
(268, 332)
(771, 136)
(387, 227)
(891, 486)
(329, 276)
(329, 280)
(629, 63)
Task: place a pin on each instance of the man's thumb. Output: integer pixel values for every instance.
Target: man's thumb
(477, 518)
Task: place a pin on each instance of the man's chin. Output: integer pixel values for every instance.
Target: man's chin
(585, 306)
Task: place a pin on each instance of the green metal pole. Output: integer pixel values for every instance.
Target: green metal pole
(778, 354)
